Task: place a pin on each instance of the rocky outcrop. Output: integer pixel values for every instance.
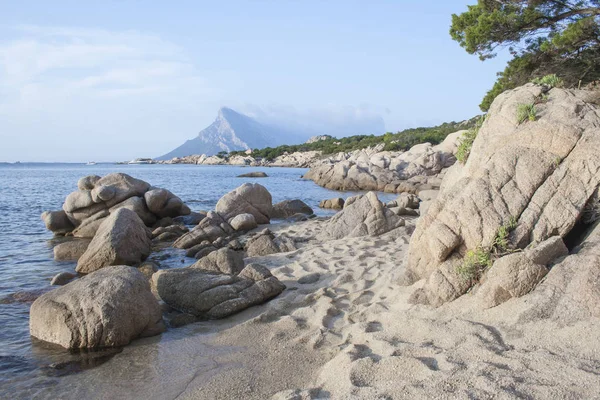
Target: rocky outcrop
(287, 208)
(363, 215)
(304, 159)
(250, 198)
(122, 239)
(107, 308)
(319, 138)
(98, 197)
(540, 173)
(212, 295)
(394, 172)
(237, 211)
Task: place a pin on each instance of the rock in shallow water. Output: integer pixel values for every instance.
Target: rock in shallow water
(62, 278)
(70, 251)
(287, 208)
(121, 239)
(256, 174)
(250, 198)
(107, 308)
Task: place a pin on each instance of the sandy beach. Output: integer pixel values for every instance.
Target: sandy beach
(343, 329)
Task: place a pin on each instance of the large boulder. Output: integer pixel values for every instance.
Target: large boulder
(540, 173)
(363, 215)
(213, 295)
(250, 198)
(107, 308)
(122, 238)
(287, 208)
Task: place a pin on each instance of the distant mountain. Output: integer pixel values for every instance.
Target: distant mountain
(233, 131)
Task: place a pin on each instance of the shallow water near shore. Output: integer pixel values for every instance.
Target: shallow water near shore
(29, 368)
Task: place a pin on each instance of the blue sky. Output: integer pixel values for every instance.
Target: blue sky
(114, 80)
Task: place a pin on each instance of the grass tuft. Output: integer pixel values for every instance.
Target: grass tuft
(526, 112)
(474, 264)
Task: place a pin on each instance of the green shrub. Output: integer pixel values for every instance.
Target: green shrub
(465, 144)
(501, 243)
(474, 264)
(467, 139)
(526, 112)
(549, 80)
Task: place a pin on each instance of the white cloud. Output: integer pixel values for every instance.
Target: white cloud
(71, 82)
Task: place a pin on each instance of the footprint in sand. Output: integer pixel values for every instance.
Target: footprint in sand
(364, 298)
(374, 326)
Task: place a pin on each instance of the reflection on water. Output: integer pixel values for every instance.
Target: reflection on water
(30, 368)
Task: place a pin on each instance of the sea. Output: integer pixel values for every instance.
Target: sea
(33, 369)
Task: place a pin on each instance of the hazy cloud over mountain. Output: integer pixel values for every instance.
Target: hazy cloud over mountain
(331, 120)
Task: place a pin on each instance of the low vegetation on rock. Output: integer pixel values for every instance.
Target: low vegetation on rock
(466, 141)
(526, 112)
(551, 80)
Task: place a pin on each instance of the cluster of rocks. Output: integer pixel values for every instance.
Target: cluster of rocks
(420, 168)
(406, 204)
(299, 159)
(97, 197)
(529, 183)
(125, 291)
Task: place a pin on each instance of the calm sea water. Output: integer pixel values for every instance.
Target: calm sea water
(29, 368)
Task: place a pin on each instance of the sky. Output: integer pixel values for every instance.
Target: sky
(116, 80)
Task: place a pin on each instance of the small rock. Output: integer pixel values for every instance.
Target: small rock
(243, 222)
(256, 174)
(333, 204)
(62, 278)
